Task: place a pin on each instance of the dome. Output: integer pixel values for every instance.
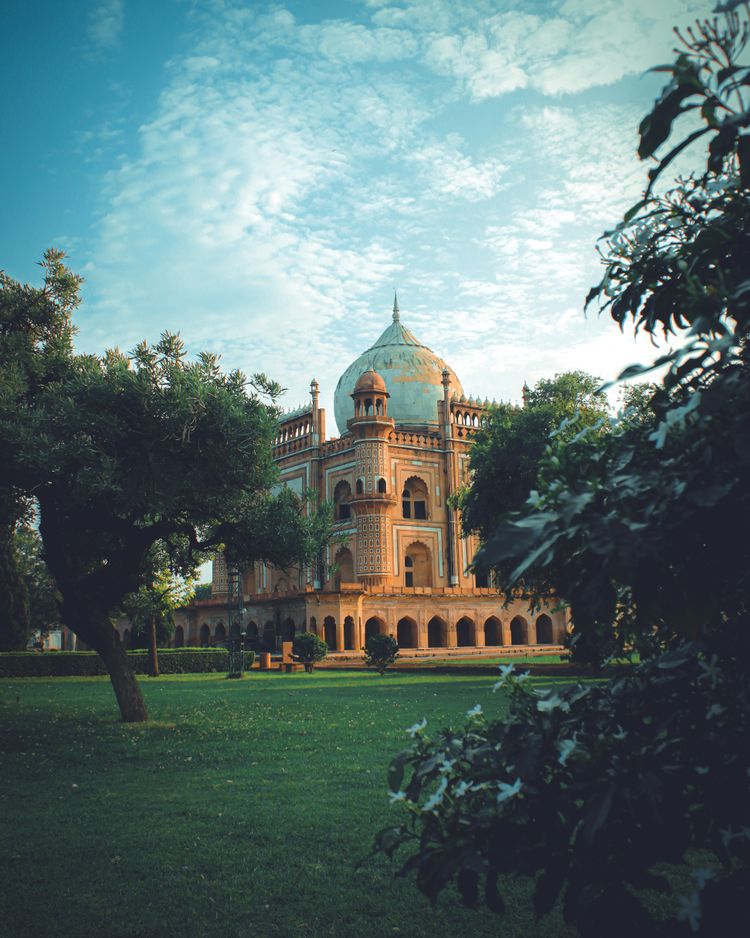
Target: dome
(412, 374)
(371, 381)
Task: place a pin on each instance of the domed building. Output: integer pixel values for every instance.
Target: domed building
(406, 431)
(412, 372)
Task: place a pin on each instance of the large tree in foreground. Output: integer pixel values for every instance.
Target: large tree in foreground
(611, 796)
(125, 452)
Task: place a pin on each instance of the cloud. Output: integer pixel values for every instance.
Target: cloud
(105, 24)
(291, 173)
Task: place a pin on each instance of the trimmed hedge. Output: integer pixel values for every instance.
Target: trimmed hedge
(89, 664)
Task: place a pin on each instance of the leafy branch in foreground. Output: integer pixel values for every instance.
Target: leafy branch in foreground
(576, 790)
(595, 792)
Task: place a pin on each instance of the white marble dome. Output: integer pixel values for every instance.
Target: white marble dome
(413, 375)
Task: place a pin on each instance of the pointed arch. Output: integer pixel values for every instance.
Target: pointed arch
(406, 633)
(544, 630)
(519, 631)
(418, 565)
(329, 633)
(415, 499)
(374, 626)
(437, 633)
(466, 632)
(493, 631)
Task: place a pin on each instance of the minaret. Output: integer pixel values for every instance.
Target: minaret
(373, 499)
(450, 546)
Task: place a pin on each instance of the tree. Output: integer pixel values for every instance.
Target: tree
(35, 347)
(15, 621)
(124, 452)
(381, 651)
(44, 614)
(168, 586)
(506, 455)
(309, 648)
(596, 792)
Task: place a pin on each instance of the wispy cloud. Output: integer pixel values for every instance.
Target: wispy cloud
(291, 173)
(105, 24)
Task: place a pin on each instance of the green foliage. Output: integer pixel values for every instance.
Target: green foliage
(203, 591)
(592, 792)
(381, 651)
(507, 454)
(15, 623)
(575, 789)
(309, 648)
(88, 663)
(165, 589)
(44, 612)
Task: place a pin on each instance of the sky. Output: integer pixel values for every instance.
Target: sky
(260, 177)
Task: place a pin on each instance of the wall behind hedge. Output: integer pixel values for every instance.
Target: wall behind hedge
(88, 663)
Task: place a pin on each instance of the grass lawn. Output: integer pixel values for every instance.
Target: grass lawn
(242, 808)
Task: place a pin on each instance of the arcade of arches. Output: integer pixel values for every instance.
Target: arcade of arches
(417, 629)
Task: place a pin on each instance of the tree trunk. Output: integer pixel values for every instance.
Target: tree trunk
(124, 684)
(153, 656)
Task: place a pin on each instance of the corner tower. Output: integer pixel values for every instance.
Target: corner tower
(373, 499)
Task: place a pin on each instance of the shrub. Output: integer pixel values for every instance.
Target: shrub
(89, 664)
(594, 793)
(380, 652)
(309, 648)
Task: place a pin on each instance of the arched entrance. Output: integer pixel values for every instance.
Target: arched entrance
(220, 633)
(437, 632)
(544, 630)
(418, 565)
(519, 631)
(348, 634)
(329, 630)
(313, 625)
(414, 499)
(493, 631)
(373, 626)
(179, 636)
(205, 635)
(269, 635)
(287, 630)
(466, 632)
(345, 564)
(252, 631)
(406, 633)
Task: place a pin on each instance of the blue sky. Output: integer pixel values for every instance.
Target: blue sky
(260, 176)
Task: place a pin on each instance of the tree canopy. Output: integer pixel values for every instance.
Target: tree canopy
(507, 453)
(124, 452)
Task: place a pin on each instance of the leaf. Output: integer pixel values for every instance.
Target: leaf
(396, 769)
(743, 152)
(388, 840)
(597, 814)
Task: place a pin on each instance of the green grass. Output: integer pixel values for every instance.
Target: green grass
(482, 661)
(242, 808)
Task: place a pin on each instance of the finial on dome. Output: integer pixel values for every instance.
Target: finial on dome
(396, 311)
